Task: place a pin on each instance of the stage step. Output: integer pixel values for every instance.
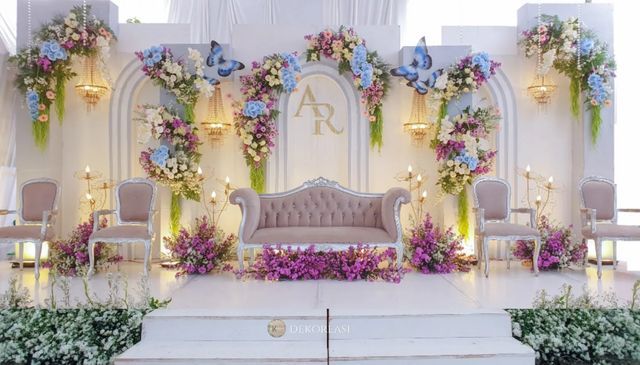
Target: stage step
(441, 351)
(186, 325)
(174, 336)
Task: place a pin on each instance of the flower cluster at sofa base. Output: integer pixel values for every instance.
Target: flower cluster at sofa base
(202, 249)
(360, 262)
(464, 152)
(255, 117)
(559, 248)
(70, 257)
(431, 250)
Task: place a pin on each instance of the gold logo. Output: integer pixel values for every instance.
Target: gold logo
(276, 328)
(320, 118)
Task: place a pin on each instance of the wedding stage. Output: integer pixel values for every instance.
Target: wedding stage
(317, 183)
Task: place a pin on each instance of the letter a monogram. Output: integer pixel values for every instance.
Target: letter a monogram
(308, 99)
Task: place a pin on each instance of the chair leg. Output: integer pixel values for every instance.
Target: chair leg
(485, 255)
(599, 256)
(508, 255)
(240, 253)
(615, 254)
(478, 247)
(536, 254)
(147, 253)
(399, 255)
(36, 264)
(21, 255)
(91, 247)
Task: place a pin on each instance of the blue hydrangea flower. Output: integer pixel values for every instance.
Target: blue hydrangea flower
(481, 59)
(586, 45)
(160, 156)
(594, 80)
(358, 59)
(152, 55)
(471, 162)
(366, 75)
(288, 80)
(292, 60)
(253, 108)
(32, 103)
(53, 51)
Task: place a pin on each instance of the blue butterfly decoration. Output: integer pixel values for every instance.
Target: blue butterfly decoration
(222, 66)
(416, 72)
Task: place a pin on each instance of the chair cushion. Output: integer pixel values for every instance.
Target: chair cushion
(320, 235)
(508, 229)
(122, 232)
(37, 197)
(612, 230)
(23, 233)
(136, 199)
(493, 197)
(599, 195)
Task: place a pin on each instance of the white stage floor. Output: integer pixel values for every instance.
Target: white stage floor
(416, 294)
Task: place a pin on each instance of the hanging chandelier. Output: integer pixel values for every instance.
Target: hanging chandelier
(92, 85)
(215, 124)
(418, 124)
(541, 90)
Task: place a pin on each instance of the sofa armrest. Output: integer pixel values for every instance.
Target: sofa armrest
(249, 203)
(390, 209)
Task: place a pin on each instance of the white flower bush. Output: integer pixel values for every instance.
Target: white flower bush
(586, 329)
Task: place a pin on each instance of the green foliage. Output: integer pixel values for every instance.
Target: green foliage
(375, 128)
(463, 213)
(175, 213)
(257, 177)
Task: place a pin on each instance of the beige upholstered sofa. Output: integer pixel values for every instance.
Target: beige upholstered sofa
(320, 213)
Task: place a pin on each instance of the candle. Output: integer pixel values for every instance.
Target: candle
(419, 178)
(227, 180)
(410, 169)
(88, 196)
(550, 180)
(538, 199)
(87, 169)
(213, 195)
(424, 194)
(199, 170)
(528, 169)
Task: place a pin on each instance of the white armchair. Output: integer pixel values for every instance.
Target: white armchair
(38, 209)
(491, 198)
(599, 215)
(135, 202)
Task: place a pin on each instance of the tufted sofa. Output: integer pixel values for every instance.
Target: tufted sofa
(322, 213)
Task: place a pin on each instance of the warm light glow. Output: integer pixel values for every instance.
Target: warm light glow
(424, 194)
(538, 199)
(550, 179)
(29, 253)
(88, 196)
(199, 170)
(419, 178)
(92, 86)
(213, 195)
(410, 169)
(215, 123)
(227, 180)
(528, 169)
(541, 91)
(87, 169)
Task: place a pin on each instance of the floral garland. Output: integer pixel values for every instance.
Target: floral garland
(576, 52)
(359, 262)
(174, 163)
(559, 249)
(370, 73)
(44, 68)
(431, 250)
(175, 76)
(255, 116)
(201, 249)
(464, 152)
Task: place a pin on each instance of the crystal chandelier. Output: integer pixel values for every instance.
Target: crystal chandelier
(541, 90)
(418, 124)
(215, 124)
(92, 85)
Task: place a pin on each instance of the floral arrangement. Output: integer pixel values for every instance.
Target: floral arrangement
(431, 250)
(201, 249)
(370, 73)
(584, 329)
(44, 68)
(559, 248)
(356, 263)
(174, 162)
(176, 77)
(464, 152)
(575, 51)
(255, 116)
(70, 257)
(466, 75)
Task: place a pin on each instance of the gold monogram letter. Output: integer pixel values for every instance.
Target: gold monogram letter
(320, 118)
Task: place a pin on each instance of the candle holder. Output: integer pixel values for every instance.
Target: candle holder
(210, 205)
(409, 178)
(92, 200)
(542, 188)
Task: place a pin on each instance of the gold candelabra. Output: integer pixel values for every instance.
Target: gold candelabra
(544, 191)
(417, 205)
(211, 206)
(92, 180)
